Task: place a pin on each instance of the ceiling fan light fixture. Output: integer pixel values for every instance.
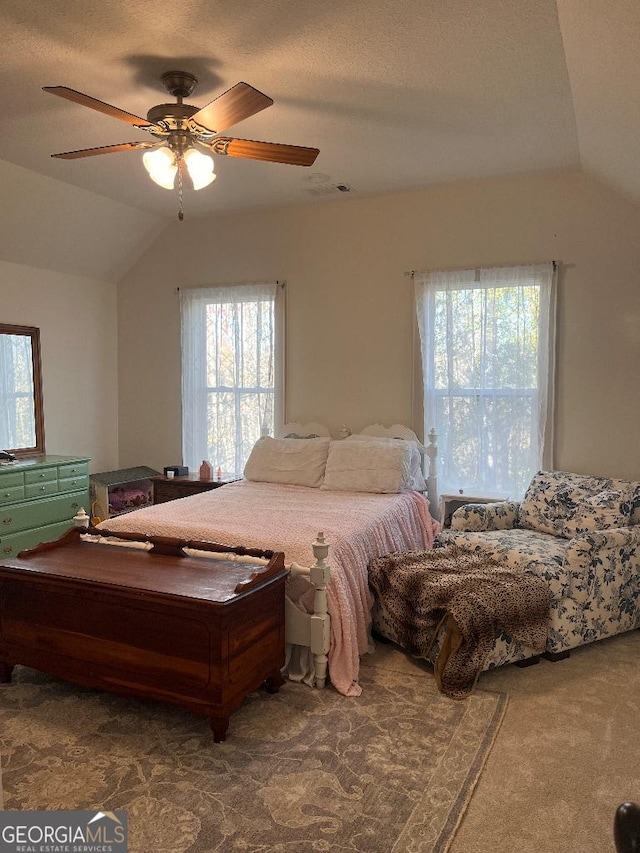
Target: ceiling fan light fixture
(178, 128)
(161, 166)
(200, 168)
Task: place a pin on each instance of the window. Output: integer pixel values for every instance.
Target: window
(487, 340)
(232, 362)
(21, 418)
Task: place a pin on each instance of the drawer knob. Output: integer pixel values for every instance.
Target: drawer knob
(7, 494)
(7, 520)
(74, 505)
(43, 488)
(8, 549)
(41, 476)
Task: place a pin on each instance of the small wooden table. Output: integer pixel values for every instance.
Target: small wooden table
(199, 632)
(170, 488)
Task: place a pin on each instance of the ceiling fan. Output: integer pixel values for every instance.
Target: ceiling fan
(179, 128)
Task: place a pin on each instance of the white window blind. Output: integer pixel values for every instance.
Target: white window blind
(232, 365)
(487, 345)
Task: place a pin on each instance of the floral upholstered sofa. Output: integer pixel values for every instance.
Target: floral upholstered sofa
(581, 534)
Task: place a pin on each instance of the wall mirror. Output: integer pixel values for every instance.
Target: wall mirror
(21, 410)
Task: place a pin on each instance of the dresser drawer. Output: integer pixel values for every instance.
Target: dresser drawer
(74, 470)
(10, 546)
(10, 479)
(9, 494)
(39, 513)
(40, 490)
(41, 475)
(74, 484)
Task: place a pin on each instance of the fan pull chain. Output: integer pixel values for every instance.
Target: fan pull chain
(180, 209)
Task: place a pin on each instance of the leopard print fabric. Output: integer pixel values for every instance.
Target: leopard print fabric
(473, 595)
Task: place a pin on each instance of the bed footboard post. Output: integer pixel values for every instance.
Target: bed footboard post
(319, 577)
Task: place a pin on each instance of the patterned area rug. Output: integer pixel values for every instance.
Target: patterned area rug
(302, 770)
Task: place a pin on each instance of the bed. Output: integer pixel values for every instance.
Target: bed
(355, 490)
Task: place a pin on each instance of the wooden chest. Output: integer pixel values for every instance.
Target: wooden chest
(199, 632)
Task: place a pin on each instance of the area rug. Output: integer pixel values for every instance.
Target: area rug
(302, 770)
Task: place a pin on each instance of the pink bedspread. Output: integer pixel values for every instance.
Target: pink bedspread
(357, 526)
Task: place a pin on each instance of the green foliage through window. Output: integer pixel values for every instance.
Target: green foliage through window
(486, 362)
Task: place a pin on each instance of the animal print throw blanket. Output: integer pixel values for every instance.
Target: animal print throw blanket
(471, 595)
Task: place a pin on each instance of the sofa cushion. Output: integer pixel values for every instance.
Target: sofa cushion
(538, 553)
(567, 505)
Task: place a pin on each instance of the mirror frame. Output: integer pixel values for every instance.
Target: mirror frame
(34, 333)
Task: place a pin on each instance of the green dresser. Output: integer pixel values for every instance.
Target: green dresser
(38, 499)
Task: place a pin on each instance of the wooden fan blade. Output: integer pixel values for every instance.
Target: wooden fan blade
(236, 104)
(104, 149)
(274, 152)
(100, 106)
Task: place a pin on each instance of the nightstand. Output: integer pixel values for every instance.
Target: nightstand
(171, 488)
(450, 503)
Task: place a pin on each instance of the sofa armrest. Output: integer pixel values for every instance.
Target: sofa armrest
(602, 558)
(502, 515)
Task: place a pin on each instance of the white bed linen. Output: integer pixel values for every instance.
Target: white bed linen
(357, 526)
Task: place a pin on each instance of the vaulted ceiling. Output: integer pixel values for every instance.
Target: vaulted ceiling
(396, 95)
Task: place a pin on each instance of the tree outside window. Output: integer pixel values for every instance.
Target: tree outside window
(487, 360)
(231, 367)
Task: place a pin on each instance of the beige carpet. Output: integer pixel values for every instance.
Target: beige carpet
(303, 770)
(567, 754)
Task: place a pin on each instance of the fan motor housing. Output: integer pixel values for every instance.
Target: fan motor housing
(180, 84)
(174, 115)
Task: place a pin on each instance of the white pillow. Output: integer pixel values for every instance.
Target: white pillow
(292, 461)
(367, 466)
(416, 477)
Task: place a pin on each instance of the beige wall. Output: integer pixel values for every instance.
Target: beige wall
(350, 305)
(78, 338)
(62, 249)
(53, 225)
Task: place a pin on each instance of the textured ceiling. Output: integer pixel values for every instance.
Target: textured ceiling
(396, 95)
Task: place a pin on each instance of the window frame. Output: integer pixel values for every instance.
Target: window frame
(484, 278)
(35, 394)
(196, 394)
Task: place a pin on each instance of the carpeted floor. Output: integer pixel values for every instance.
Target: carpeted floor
(302, 770)
(566, 756)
